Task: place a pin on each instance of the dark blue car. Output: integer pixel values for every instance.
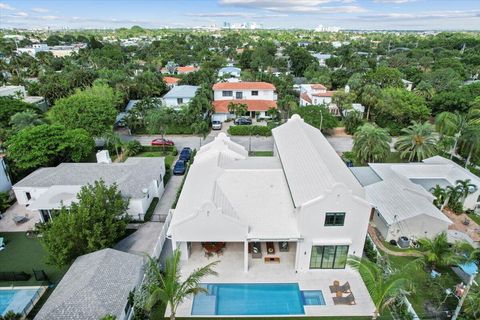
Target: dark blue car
(185, 154)
(180, 167)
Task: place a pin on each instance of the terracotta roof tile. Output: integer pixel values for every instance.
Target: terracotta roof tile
(243, 86)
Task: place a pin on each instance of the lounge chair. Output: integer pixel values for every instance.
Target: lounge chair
(283, 246)
(256, 250)
(338, 288)
(348, 300)
(270, 248)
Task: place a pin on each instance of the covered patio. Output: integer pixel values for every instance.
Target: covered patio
(230, 269)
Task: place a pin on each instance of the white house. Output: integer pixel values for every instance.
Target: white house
(5, 182)
(33, 49)
(19, 92)
(322, 58)
(229, 71)
(303, 199)
(171, 81)
(258, 96)
(179, 95)
(46, 189)
(402, 199)
(317, 94)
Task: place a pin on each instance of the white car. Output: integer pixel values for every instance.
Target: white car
(216, 125)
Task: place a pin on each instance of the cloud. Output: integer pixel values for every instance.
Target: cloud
(297, 6)
(422, 15)
(40, 10)
(20, 14)
(394, 1)
(6, 6)
(50, 18)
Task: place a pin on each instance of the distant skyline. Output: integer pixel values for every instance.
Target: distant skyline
(346, 14)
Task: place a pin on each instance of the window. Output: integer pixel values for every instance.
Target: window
(239, 95)
(255, 93)
(328, 257)
(28, 195)
(227, 93)
(179, 100)
(334, 219)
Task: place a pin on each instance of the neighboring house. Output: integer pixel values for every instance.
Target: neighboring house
(179, 95)
(96, 284)
(171, 81)
(304, 196)
(258, 96)
(317, 94)
(229, 71)
(5, 181)
(181, 70)
(322, 58)
(400, 193)
(356, 107)
(408, 85)
(46, 189)
(57, 51)
(19, 92)
(119, 121)
(33, 49)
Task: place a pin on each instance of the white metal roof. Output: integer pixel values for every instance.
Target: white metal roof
(310, 163)
(184, 91)
(251, 190)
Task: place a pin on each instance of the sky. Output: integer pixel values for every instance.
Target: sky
(346, 14)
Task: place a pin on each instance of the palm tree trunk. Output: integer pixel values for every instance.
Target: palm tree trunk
(469, 156)
(454, 149)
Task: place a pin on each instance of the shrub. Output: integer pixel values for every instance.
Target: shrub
(251, 130)
(352, 121)
(133, 148)
(369, 250)
(168, 174)
(151, 209)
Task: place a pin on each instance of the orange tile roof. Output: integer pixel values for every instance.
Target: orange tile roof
(171, 80)
(221, 106)
(187, 69)
(304, 96)
(324, 94)
(243, 86)
(318, 86)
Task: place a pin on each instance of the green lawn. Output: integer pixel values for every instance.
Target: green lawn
(153, 154)
(261, 153)
(24, 254)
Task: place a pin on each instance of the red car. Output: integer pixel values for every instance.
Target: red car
(162, 142)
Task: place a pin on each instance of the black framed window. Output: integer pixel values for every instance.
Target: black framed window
(255, 93)
(334, 218)
(328, 257)
(179, 100)
(227, 93)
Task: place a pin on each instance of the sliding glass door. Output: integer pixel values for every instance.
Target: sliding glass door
(328, 257)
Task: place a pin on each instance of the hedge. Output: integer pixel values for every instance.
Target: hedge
(250, 130)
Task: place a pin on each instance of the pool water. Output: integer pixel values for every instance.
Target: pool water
(313, 298)
(251, 299)
(16, 300)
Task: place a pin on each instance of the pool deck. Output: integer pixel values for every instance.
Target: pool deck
(230, 270)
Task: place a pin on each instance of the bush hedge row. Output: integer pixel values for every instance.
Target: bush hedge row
(252, 130)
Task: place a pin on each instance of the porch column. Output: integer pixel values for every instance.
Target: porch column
(245, 256)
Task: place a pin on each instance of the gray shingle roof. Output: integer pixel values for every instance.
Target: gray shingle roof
(96, 284)
(131, 176)
(181, 92)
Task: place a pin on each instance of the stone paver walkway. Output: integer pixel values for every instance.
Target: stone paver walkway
(373, 234)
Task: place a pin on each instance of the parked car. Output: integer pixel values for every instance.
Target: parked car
(185, 154)
(162, 142)
(216, 125)
(243, 121)
(179, 167)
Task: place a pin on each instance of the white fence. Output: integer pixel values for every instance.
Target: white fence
(162, 237)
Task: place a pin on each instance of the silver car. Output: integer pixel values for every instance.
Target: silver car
(216, 125)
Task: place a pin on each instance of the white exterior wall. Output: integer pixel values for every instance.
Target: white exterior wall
(421, 226)
(246, 94)
(138, 206)
(20, 194)
(321, 100)
(472, 200)
(380, 224)
(173, 102)
(5, 182)
(233, 74)
(311, 222)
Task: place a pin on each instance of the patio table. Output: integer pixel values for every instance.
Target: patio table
(213, 247)
(19, 219)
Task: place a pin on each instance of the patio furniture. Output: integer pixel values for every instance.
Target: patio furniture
(283, 246)
(213, 247)
(272, 260)
(208, 255)
(14, 276)
(348, 300)
(20, 219)
(338, 288)
(40, 275)
(256, 250)
(270, 248)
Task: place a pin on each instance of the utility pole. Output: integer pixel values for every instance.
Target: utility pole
(464, 296)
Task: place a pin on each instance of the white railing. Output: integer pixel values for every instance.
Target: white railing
(162, 237)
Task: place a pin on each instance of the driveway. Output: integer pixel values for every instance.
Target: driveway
(143, 240)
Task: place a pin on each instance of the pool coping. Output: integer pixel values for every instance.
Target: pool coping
(40, 292)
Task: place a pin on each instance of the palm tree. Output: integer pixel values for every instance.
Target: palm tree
(451, 125)
(470, 140)
(25, 119)
(371, 143)
(383, 287)
(472, 303)
(170, 289)
(440, 194)
(369, 97)
(439, 253)
(466, 187)
(418, 142)
(454, 194)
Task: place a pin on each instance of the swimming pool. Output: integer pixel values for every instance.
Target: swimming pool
(252, 299)
(17, 300)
